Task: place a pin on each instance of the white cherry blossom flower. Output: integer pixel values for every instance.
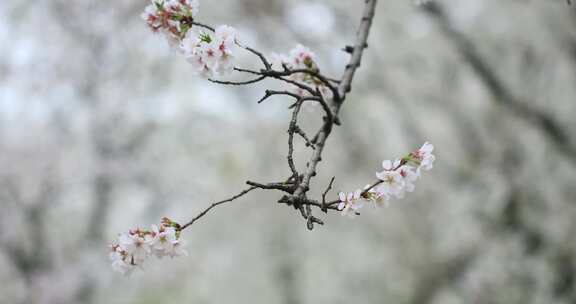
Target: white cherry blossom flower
(119, 263)
(185, 7)
(211, 53)
(178, 249)
(424, 156)
(131, 249)
(301, 58)
(350, 203)
(172, 18)
(410, 175)
(396, 178)
(150, 15)
(135, 246)
(392, 181)
(163, 240)
(378, 199)
(190, 42)
(226, 36)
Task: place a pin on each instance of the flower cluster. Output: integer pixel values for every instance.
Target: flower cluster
(211, 54)
(171, 17)
(131, 249)
(302, 58)
(397, 178)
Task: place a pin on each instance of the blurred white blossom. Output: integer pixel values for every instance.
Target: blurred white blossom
(311, 19)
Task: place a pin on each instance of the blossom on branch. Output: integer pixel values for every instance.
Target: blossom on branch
(392, 181)
(173, 18)
(377, 198)
(131, 249)
(350, 203)
(211, 53)
(397, 178)
(302, 58)
(423, 157)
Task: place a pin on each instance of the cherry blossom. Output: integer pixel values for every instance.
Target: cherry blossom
(302, 58)
(377, 198)
(392, 181)
(131, 249)
(410, 175)
(350, 203)
(178, 249)
(173, 18)
(163, 240)
(423, 157)
(135, 245)
(210, 53)
(120, 265)
(396, 178)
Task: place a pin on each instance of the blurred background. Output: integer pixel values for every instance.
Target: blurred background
(104, 128)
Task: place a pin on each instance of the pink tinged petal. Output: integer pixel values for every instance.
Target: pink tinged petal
(387, 164)
(122, 267)
(342, 196)
(382, 190)
(341, 205)
(427, 147)
(357, 194)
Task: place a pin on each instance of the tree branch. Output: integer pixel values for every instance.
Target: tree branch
(298, 185)
(344, 87)
(203, 213)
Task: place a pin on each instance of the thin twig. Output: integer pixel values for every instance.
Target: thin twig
(313, 73)
(238, 83)
(201, 214)
(270, 93)
(326, 192)
(286, 187)
(204, 26)
(265, 61)
(301, 132)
